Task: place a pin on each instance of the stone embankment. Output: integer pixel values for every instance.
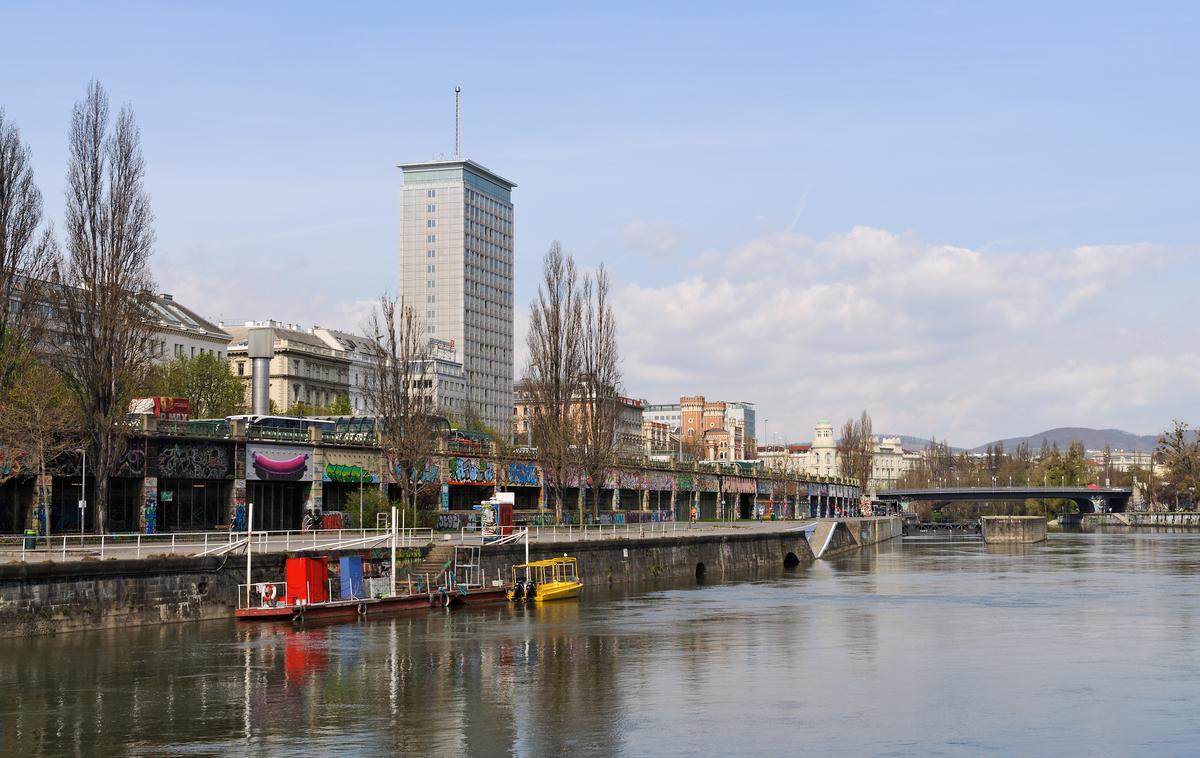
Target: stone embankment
(1013, 529)
(1143, 520)
(48, 597)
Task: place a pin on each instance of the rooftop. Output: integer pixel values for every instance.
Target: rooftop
(456, 163)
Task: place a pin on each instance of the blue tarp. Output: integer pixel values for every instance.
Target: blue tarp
(350, 569)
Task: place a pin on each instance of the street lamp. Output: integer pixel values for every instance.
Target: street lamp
(82, 491)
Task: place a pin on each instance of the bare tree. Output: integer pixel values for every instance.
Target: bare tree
(600, 382)
(400, 389)
(856, 450)
(555, 361)
(27, 256)
(38, 425)
(102, 300)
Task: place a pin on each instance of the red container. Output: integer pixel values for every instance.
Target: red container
(306, 580)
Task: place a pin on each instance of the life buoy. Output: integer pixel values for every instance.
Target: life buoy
(362, 609)
(446, 600)
(269, 595)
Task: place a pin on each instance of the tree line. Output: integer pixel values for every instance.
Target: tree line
(75, 342)
(572, 381)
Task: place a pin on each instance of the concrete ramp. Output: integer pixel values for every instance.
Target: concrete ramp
(832, 538)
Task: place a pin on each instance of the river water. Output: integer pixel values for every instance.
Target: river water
(1083, 645)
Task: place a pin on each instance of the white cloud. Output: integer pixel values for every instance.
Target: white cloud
(655, 238)
(931, 339)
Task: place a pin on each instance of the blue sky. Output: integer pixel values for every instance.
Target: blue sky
(761, 179)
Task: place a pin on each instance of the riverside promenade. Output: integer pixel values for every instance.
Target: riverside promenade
(68, 547)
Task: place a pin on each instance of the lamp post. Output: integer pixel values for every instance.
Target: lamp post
(82, 491)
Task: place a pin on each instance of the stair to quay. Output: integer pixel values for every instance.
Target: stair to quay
(434, 565)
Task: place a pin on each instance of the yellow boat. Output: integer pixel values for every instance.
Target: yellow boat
(550, 579)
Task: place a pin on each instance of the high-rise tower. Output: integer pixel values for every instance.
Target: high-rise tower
(456, 272)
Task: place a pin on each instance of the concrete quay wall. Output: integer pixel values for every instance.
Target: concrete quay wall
(1168, 520)
(1013, 529)
(49, 598)
(707, 556)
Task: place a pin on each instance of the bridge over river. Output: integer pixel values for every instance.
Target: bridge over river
(1090, 499)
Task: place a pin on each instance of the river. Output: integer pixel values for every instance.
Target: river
(1085, 644)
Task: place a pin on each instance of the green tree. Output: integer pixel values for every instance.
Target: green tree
(40, 422)
(340, 405)
(211, 388)
(1179, 449)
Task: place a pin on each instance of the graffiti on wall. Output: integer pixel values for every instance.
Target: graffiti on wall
(239, 505)
(658, 481)
(523, 474)
(337, 472)
(132, 463)
(352, 468)
(192, 461)
(150, 504)
(574, 478)
(432, 473)
(471, 471)
(631, 480)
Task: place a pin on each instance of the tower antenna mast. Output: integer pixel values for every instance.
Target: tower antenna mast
(457, 138)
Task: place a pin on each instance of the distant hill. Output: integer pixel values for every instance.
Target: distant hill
(1092, 439)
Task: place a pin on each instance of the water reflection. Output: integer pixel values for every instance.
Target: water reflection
(903, 647)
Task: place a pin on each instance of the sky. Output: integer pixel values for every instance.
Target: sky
(971, 220)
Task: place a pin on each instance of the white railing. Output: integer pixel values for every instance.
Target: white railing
(105, 546)
(571, 532)
(247, 592)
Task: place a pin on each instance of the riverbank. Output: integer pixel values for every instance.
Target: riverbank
(49, 597)
(1190, 520)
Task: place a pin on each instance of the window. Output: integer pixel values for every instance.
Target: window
(431, 238)
(432, 283)
(431, 268)
(431, 254)
(178, 350)
(431, 222)
(431, 208)
(241, 368)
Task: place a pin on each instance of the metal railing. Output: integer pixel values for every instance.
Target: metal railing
(246, 592)
(571, 532)
(105, 546)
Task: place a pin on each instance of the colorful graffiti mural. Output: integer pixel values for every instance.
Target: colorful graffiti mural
(239, 505)
(522, 474)
(150, 504)
(336, 472)
(432, 473)
(655, 480)
(471, 471)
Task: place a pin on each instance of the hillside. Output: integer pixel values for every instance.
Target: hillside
(1092, 439)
